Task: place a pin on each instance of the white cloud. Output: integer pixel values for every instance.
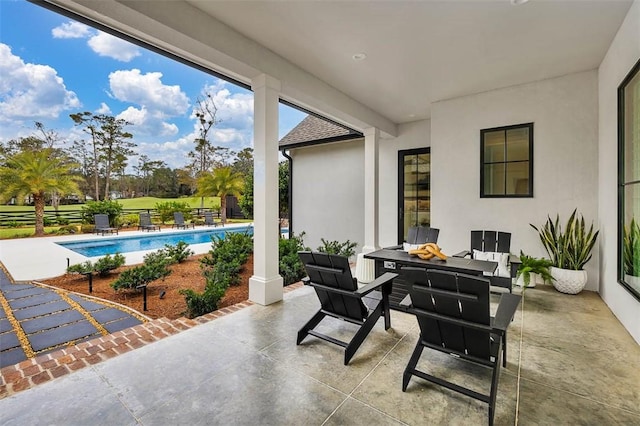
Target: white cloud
(103, 44)
(233, 138)
(149, 91)
(173, 153)
(235, 112)
(234, 132)
(104, 109)
(133, 115)
(71, 29)
(31, 91)
(157, 102)
(107, 45)
(169, 129)
(146, 124)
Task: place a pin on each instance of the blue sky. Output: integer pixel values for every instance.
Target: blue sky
(51, 66)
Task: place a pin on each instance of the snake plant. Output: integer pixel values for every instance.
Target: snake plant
(631, 249)
(568, 248)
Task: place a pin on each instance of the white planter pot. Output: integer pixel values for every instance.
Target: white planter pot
(533, 280)
(568, 281)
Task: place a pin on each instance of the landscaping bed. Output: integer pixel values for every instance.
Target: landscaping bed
(187, 274)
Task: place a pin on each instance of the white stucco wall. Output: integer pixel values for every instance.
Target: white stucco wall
(328, 188)
(410, 135)
(620, 58)
(328, 192)
(565, 115)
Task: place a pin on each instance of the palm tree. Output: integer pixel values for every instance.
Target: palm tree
(37, 173)
(221, 182)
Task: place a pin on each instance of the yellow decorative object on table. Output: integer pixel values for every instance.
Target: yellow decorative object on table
(428, 251)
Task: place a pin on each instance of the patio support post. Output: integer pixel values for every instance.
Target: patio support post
(265, 286)
(371, 141)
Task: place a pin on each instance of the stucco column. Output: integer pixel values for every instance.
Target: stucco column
(265, 286)
(371, 141)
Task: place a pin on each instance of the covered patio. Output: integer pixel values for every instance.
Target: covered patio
(446, 71)
(569, 362)
(411, 75)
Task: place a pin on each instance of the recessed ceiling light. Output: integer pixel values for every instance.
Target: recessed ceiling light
(359, 56)
(518, 2)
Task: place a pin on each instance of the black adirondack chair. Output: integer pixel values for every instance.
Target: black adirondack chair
(146, 224)
(419, 235)
(453, 314)
(178, 221)
(102, 226)
(496, 242)
(422, 234)
(340, 298)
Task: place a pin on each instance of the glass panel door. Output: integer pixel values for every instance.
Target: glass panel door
(414, 190)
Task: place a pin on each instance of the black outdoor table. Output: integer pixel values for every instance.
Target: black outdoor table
(388, 260)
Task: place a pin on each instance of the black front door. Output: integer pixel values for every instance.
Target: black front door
(414, 190)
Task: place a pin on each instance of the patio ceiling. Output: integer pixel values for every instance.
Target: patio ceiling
(418, 53)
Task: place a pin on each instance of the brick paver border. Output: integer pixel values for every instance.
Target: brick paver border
(43, 368)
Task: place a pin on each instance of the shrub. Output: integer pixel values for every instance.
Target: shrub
(80, 268)
(158, 261)
(154, 267)
(166, 210)
(87, 229)
(178, 253)
(108, 207)
(345, 249)
(47, 221)
(132, 278)
(290, 266)
(202, 303)
(221, 268)
(233, 248)
(130, 220)
(108, 263)
(13, 224)
(67, 229)
(63, 221)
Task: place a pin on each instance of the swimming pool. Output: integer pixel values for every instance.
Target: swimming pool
(126, 244)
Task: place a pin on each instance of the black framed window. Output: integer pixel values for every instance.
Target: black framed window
(506, 161)
(629, 181)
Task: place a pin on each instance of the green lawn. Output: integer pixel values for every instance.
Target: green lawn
(7, 233)
(129, 203)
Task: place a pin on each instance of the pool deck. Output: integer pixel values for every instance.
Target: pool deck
(29, 259)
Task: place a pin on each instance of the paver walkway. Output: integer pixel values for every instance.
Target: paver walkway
(37, 319)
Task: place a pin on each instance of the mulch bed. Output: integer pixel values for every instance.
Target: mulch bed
(172, 304)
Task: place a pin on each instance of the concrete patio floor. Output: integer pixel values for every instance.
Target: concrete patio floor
(570, 362)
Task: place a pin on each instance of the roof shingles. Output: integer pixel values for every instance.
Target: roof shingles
(314, 130)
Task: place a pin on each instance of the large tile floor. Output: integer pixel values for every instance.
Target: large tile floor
(570, 362)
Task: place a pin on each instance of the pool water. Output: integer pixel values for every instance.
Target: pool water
(104, 246)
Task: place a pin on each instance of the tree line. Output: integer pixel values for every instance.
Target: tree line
(43, 168)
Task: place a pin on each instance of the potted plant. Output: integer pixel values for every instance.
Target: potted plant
(569, 249)
(529, 268)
